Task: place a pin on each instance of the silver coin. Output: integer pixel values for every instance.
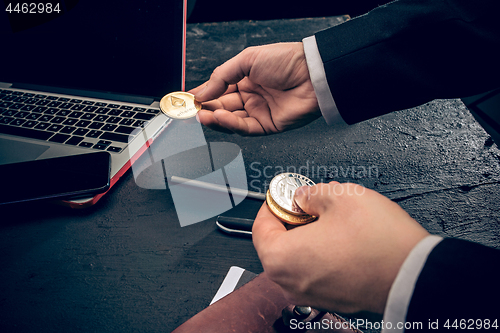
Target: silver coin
(282, 189)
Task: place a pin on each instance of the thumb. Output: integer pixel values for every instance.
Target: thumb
(314, 200)
(230, 72)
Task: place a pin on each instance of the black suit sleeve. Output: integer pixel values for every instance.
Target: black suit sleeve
(458, 282)
(409, 52)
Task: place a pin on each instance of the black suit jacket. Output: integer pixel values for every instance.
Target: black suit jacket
(409, 52)
(460, 281)
(402, 55)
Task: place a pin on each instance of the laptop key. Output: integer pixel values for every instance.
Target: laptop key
(128, 114)
(5, 104)
(93, 134)
(43, 102)
(114, 112)
(95, 125)
(125, 129)
(76, 114)
(16, 106)
(127, 122)
(31, 100)
(88, 116)
(28, 107)
(83, 123)
(8, 98)
(58, 120)
(21, 114)
(9, 113)
(33, 116)
(102, 110)
(21, 99)
(144, 116)
(40, 109)
(63, 113)
(114, 149)
(58, 137)
(108, 127)
(45, 118)
(6, 120)
(78, 107)
(54, 104)
(55, 127)
(81, 131)
(113, 120)
(25, 132)
(68, 129)
(70, 121)
(100, 146)
(101, 118)
(30, 123)
(74, 140)
(104, 142)
(43, 126)
(17, 122)
(90, 108)
(115, 137)
(66, 105)
(86, 144)
(51, 111)
(139, 123)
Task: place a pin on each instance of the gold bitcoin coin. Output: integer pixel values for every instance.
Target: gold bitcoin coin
(283, 187)
(180, 105)
(286, 216)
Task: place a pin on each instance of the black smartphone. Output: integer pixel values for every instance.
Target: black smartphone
(61, 177)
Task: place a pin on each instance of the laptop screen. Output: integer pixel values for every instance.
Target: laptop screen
(127, 47)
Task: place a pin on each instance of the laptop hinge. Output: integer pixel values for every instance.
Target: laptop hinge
(85, 93)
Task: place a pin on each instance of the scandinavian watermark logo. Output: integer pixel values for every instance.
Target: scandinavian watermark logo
(204, 179)
(260, 175)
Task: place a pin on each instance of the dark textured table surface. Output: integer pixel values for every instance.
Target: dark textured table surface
(126, 265)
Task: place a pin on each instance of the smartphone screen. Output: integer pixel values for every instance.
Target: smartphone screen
(61, 177)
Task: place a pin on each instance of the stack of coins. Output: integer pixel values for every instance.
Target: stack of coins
(180, 105)
(280, 200)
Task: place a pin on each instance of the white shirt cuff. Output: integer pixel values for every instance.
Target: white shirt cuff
(404, 284)
(320, 84)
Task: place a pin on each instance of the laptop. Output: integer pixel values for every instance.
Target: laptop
(81, 76)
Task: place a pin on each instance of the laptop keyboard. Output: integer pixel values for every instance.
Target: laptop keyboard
(77, 122)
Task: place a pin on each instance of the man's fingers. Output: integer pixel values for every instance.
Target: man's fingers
(207, 118)
(228, 101)
(196, 90)
(315, 200)
(266, 227)
(231, 72)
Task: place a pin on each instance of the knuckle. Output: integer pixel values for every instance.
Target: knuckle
(215, 72)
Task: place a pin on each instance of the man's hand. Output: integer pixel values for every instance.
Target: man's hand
(263, 90)
(345, 261)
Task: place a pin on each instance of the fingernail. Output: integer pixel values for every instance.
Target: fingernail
(300, 193)
(215, 113)
(200, 94)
